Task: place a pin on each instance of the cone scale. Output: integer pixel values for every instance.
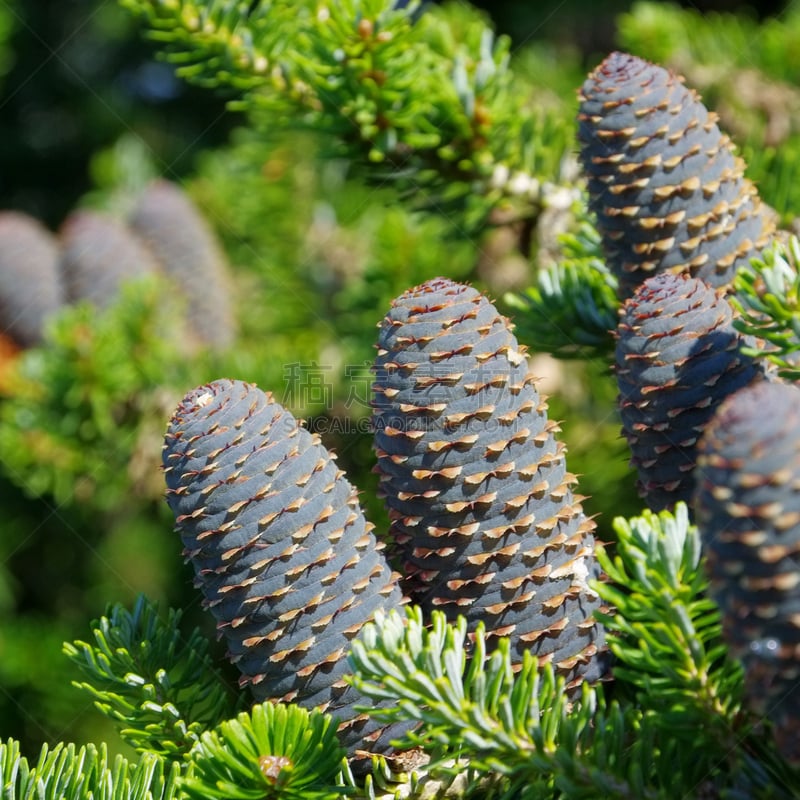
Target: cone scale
(482, 512)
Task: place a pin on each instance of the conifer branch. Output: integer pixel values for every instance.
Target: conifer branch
(67, 772)
(275, 752)
(521, 729)
(683, 732)
(225, 43)
(572, 309)
(666, 635)
(767, 295)
(83, 402)
(160, 688)
(429, 103)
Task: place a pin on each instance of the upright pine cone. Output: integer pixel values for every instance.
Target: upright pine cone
(30, 287)
(188, 251)
(481, 508)
(667, 189)
(281, 550)
(677, 357)
(748, 511)
(99, 253)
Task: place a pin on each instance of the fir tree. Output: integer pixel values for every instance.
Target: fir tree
(429, 101)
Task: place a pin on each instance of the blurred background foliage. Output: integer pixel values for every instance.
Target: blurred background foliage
(89, 115)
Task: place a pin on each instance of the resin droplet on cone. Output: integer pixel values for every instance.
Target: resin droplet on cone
(748, 511)
(481, 505)
(663, 180)
(280, 547)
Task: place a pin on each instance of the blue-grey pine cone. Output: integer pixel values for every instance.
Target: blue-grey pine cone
(30, 287)
(282, 553)
(98, 254)
(664, 183)
(482, 512)
(748, 511)
(677, 357)
(188, 251)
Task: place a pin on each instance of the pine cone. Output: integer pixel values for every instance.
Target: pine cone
(481, 508)
(678, 356)
(188, 251)
(281, 550)
(667, 189)
(748, 511)
(30, 288)
(99, 253)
